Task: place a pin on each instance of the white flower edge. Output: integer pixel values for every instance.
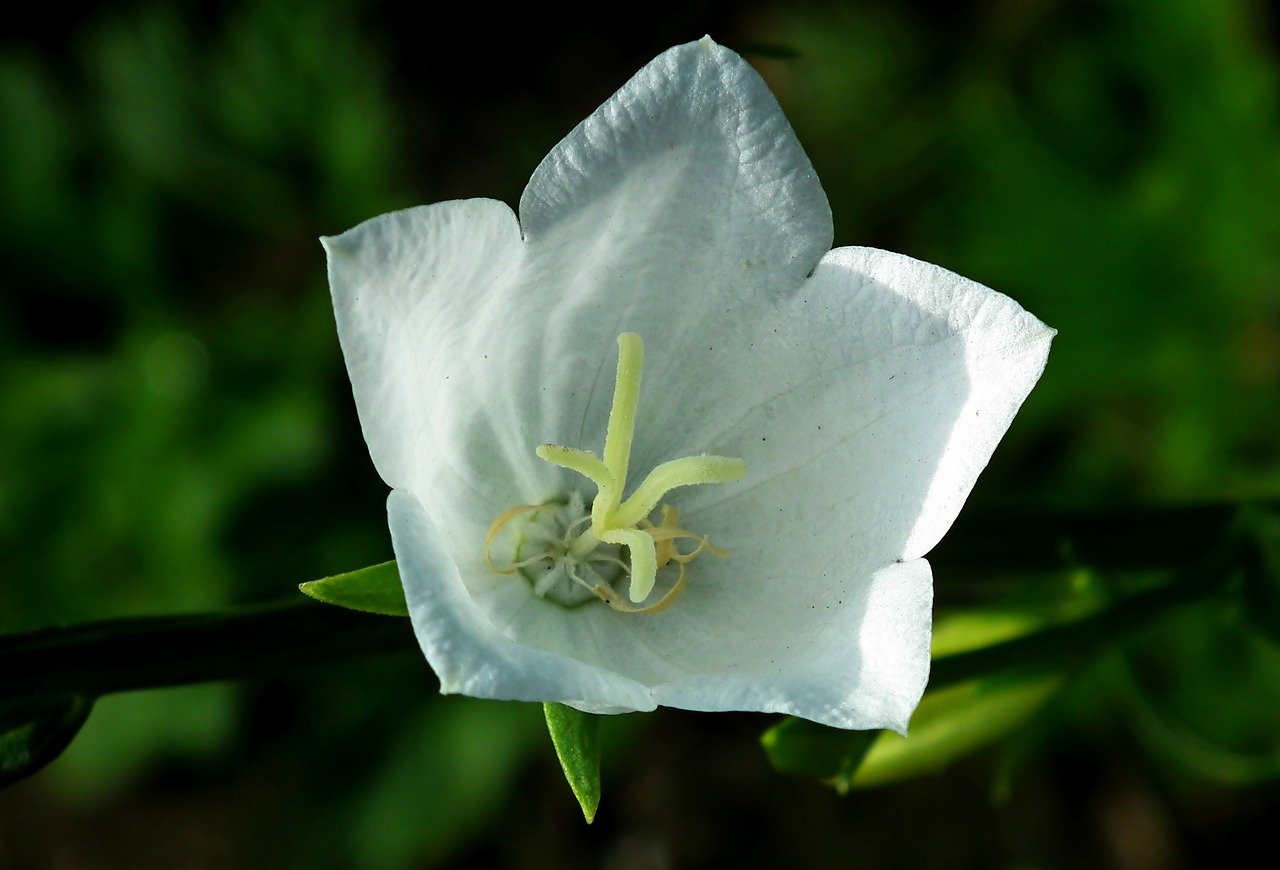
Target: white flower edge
(890, 643)
(455, 389)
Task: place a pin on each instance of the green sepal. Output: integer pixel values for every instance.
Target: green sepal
(35, 731)
(576, 737)
(802, 748)
(375, 589)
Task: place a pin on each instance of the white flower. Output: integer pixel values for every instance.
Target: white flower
(842, 403)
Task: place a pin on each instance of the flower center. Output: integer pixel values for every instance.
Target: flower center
(570, 554)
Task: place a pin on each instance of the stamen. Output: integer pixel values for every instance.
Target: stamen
(612, 560)
(573, 575)
(614, 521)
(611, 598)
(499, 524)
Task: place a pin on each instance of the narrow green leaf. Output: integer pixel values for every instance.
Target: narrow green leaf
(576, 737)
(802, 748)
(375, 589)
(33, 732)
(952, 722)
(949, 723)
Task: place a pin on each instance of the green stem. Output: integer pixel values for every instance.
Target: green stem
(99, 658)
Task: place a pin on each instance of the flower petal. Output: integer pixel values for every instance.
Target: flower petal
(686, 191)
(866, 401)
(864, 668)
(467, 652)
(414, 292)
(691, 168)
(1003, 350)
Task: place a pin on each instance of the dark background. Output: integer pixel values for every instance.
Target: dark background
(176, 431)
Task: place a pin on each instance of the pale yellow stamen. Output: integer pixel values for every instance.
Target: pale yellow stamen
(625, 522)
(503, 520)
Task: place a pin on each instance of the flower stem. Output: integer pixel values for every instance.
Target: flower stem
(100, 658)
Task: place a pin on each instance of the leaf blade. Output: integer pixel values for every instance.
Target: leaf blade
(576, 737)
(33, 732)
(799, 747)
(375, 589)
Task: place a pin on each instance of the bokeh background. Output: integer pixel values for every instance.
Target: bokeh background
(177, 433)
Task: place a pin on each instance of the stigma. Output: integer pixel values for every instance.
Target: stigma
(573, 553)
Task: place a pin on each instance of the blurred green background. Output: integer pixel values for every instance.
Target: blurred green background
(176, 431)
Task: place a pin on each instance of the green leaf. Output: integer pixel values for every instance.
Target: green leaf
(375, 589)
(33, 732)
(948, 723)
(952, 722)
(576, 737)
(803, 748)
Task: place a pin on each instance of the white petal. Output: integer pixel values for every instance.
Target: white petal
(1003, 350)
(693, 157)
(685, 192)
(414, 294)
(867, 401)
(463, 647)
(865, 667)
